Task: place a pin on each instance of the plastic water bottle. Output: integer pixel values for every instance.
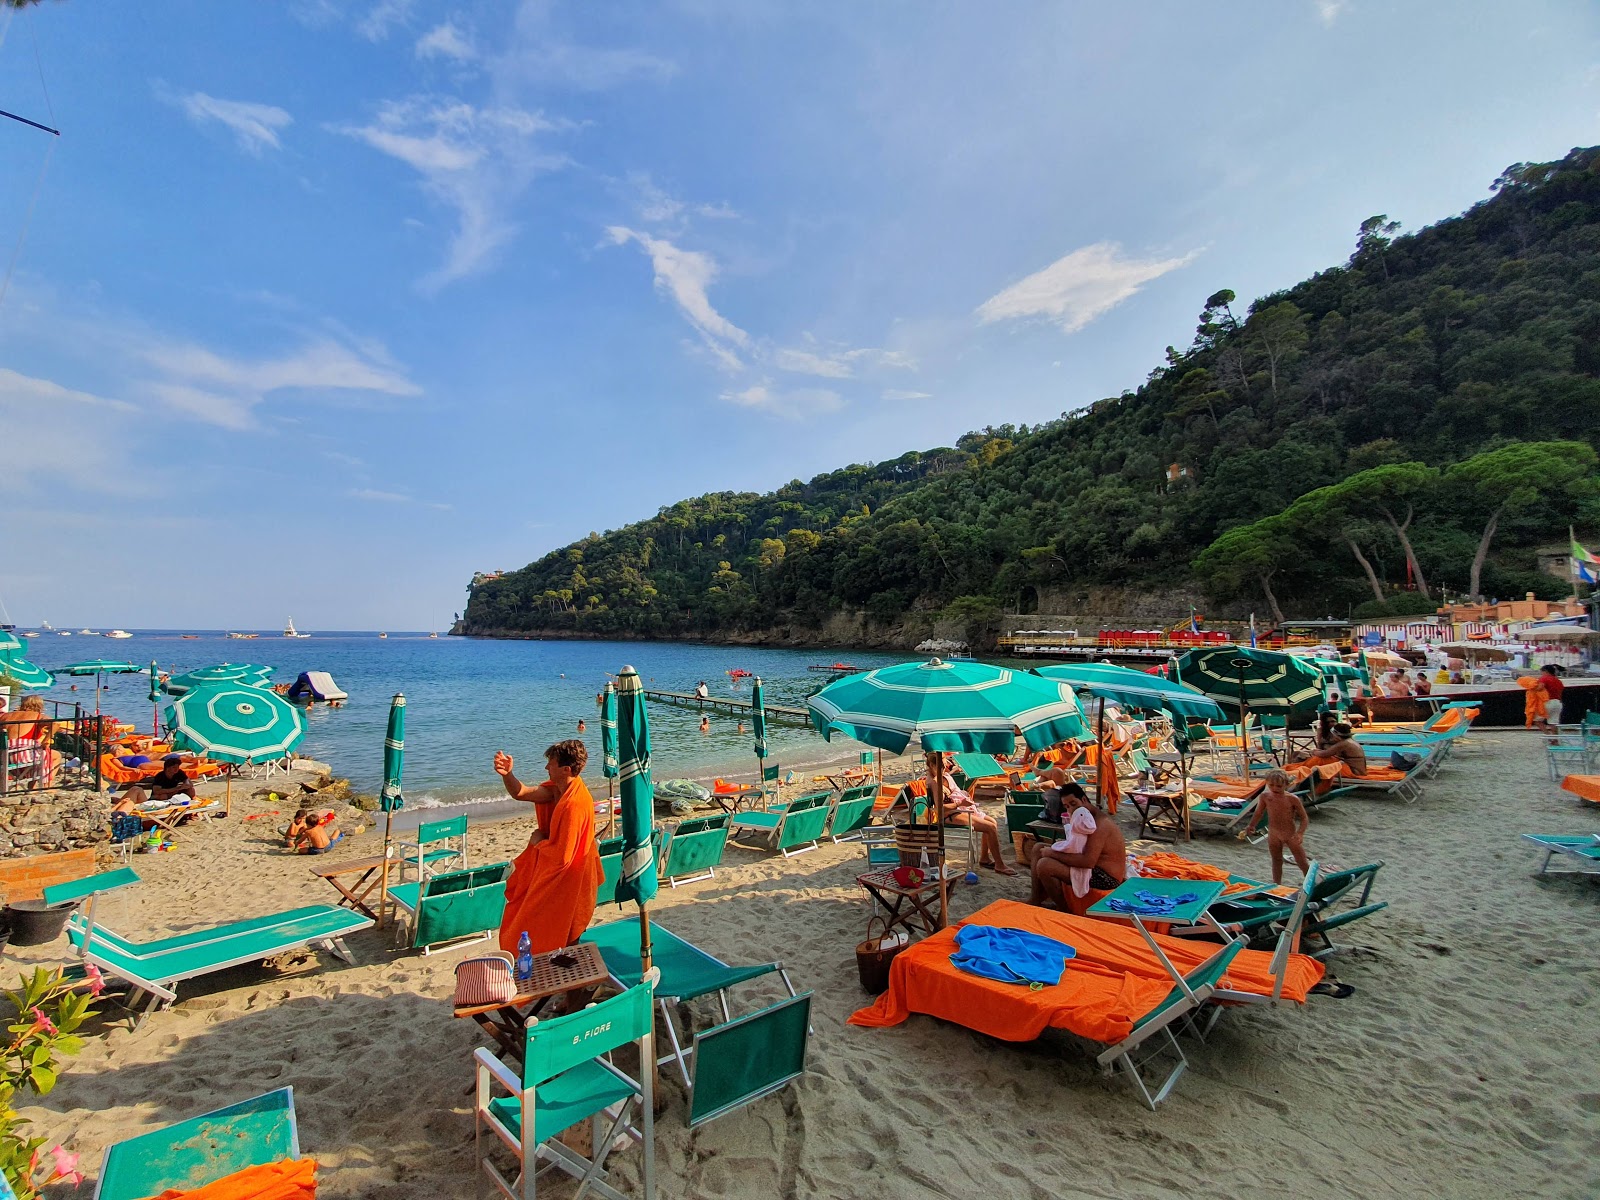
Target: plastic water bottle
(524, 967)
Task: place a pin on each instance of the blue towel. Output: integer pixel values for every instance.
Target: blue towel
(1151, 904)
(1010, 955)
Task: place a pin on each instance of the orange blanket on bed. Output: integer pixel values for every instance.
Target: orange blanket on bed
(286, 1180)
(1112, 982)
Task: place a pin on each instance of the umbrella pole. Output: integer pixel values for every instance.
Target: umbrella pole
(1100, 757)
(936, 802)
(383, 877)
(227, 793)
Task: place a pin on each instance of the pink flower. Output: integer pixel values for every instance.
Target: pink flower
(97, 981)
(66, 1167)
(43, 1023)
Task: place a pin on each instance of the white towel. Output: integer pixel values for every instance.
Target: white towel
(1079, 827)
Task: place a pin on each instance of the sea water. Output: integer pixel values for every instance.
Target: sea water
(468, 697)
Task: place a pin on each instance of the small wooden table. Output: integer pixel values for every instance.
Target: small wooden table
(374, 871)
(729, 802)
(1161, 810)
(570, 969)
(904, 907)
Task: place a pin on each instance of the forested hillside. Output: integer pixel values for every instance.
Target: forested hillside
(1431, 404)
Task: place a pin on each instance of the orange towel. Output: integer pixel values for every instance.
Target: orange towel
(1586, 786)
(290, 1179)
(1163, 864)
(553, 884)
(1113, 981)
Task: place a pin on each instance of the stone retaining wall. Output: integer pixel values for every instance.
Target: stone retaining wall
(41, 822)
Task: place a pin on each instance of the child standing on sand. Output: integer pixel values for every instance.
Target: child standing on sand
(1286, 823)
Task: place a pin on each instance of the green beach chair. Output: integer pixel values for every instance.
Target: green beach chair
(793, 828)
(611, 866)
(693, 849)
(1188, 994)
(852, 813)
(1223, 997)
(1322, 914)
(1584, 848)
(742, 1060)
(566, 1077)
(687, 973)
(202, 1149)
(155, 968)
(452, 906)
(1021, 809)
(439, 843)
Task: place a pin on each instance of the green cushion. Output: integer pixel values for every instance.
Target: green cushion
(405, 895)
(574, 1095)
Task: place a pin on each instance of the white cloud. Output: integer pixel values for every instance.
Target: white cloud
(839, 364)
(1328, 10)
(446, 41)
(380, 497)
(384, 17)
(58, 437)
(537, 54)
(686, 276)
(225, 391)
(903, 394)
(656, 206)
(475, 161)
(1077, 288)
(796, 405)
(254, 126)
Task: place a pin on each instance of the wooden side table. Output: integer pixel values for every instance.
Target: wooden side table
(570, 969)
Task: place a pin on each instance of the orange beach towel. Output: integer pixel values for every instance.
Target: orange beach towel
(1113, 981)
(290, 1179)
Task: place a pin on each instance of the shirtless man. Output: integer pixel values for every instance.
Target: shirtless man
(1344, 751)
(1106, 854)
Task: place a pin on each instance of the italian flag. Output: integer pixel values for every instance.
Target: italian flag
(1579, 554)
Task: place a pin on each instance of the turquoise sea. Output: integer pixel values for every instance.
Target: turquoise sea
(468, 697)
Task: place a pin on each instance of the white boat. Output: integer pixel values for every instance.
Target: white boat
(46, 627)
(290, 631)
(119, 633)
(62, 633)
(383, 635)
(433, 635)
(87, 633)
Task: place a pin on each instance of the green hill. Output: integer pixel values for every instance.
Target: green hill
(1434, 381)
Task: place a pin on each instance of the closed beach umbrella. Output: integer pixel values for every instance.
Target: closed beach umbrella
(637, 879)
(390, 796)
(1134, 689)
(950, 707)
(234, 723)
(608, 751)
(155, 699)
(758, 725)
(29, 675)
(954, 706)
(1238, 676)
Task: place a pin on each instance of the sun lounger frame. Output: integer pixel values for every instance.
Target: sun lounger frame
(1585, 848)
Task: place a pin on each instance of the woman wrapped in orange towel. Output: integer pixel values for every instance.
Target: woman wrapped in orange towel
(551, 892)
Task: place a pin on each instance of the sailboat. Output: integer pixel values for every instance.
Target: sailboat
(289, 631)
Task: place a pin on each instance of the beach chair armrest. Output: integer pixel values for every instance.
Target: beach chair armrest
(503, 1074)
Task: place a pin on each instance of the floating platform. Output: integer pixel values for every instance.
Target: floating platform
(718, 704)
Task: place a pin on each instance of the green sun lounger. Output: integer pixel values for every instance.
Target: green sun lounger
(687, 973)
(1584, 848)
(155, 968)
(742, 1060)
(794, 829)
(852, 813)
(202, 1149)
(1322, 913)
(453, 906)
(694, 849)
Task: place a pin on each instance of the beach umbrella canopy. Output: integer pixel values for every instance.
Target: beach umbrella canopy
(953, 706)
(1134, 689)
(758, 704)
(1555, 633)
(232, 722)
(99, 666)
(637, 880)
(9, 641)
(29, 675)
(1238, 676)
(250, 674)
(608, 732)
(1334, 668)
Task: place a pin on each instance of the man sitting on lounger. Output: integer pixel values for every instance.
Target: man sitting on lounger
(1105, 854)
(169, 783)
(1345, 750)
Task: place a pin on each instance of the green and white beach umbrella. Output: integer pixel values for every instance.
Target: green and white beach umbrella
(952, 706)
(637, 880)
(608, 732)
(1134, 689)
(29, 675)
(9, 642)
(758, 724)
(1334, 668)
(99, 668)
(250, 674)
(235, 723)
(1263, 680)
(390, 797)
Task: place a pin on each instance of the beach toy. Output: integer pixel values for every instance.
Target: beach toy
(971, 877)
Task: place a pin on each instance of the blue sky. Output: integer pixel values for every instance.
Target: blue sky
(324, 305)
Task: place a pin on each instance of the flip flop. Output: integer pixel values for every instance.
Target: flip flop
(1332, 987)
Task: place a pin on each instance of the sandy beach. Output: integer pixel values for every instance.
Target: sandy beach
(1460, 1067)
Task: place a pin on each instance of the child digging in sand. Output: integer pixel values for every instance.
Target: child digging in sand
(1286, 823)
(296, 828)
(319, 835)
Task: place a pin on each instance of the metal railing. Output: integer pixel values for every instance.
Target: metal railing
(83, 734)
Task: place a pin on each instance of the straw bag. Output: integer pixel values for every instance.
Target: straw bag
(873, 958)
(485, 980)
(918, 844)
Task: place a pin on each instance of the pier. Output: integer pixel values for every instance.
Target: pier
(719, 704)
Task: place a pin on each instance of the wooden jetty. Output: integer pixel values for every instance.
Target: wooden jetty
(720, 704)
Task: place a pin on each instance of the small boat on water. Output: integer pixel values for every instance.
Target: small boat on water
(87, 633)
(119, 633)
(244, 637)
(289, 631)
(434, 635)
(383, 635)
(29, 633)
(62, 633)
(739, 673)
(846, 668)
(189, 637)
